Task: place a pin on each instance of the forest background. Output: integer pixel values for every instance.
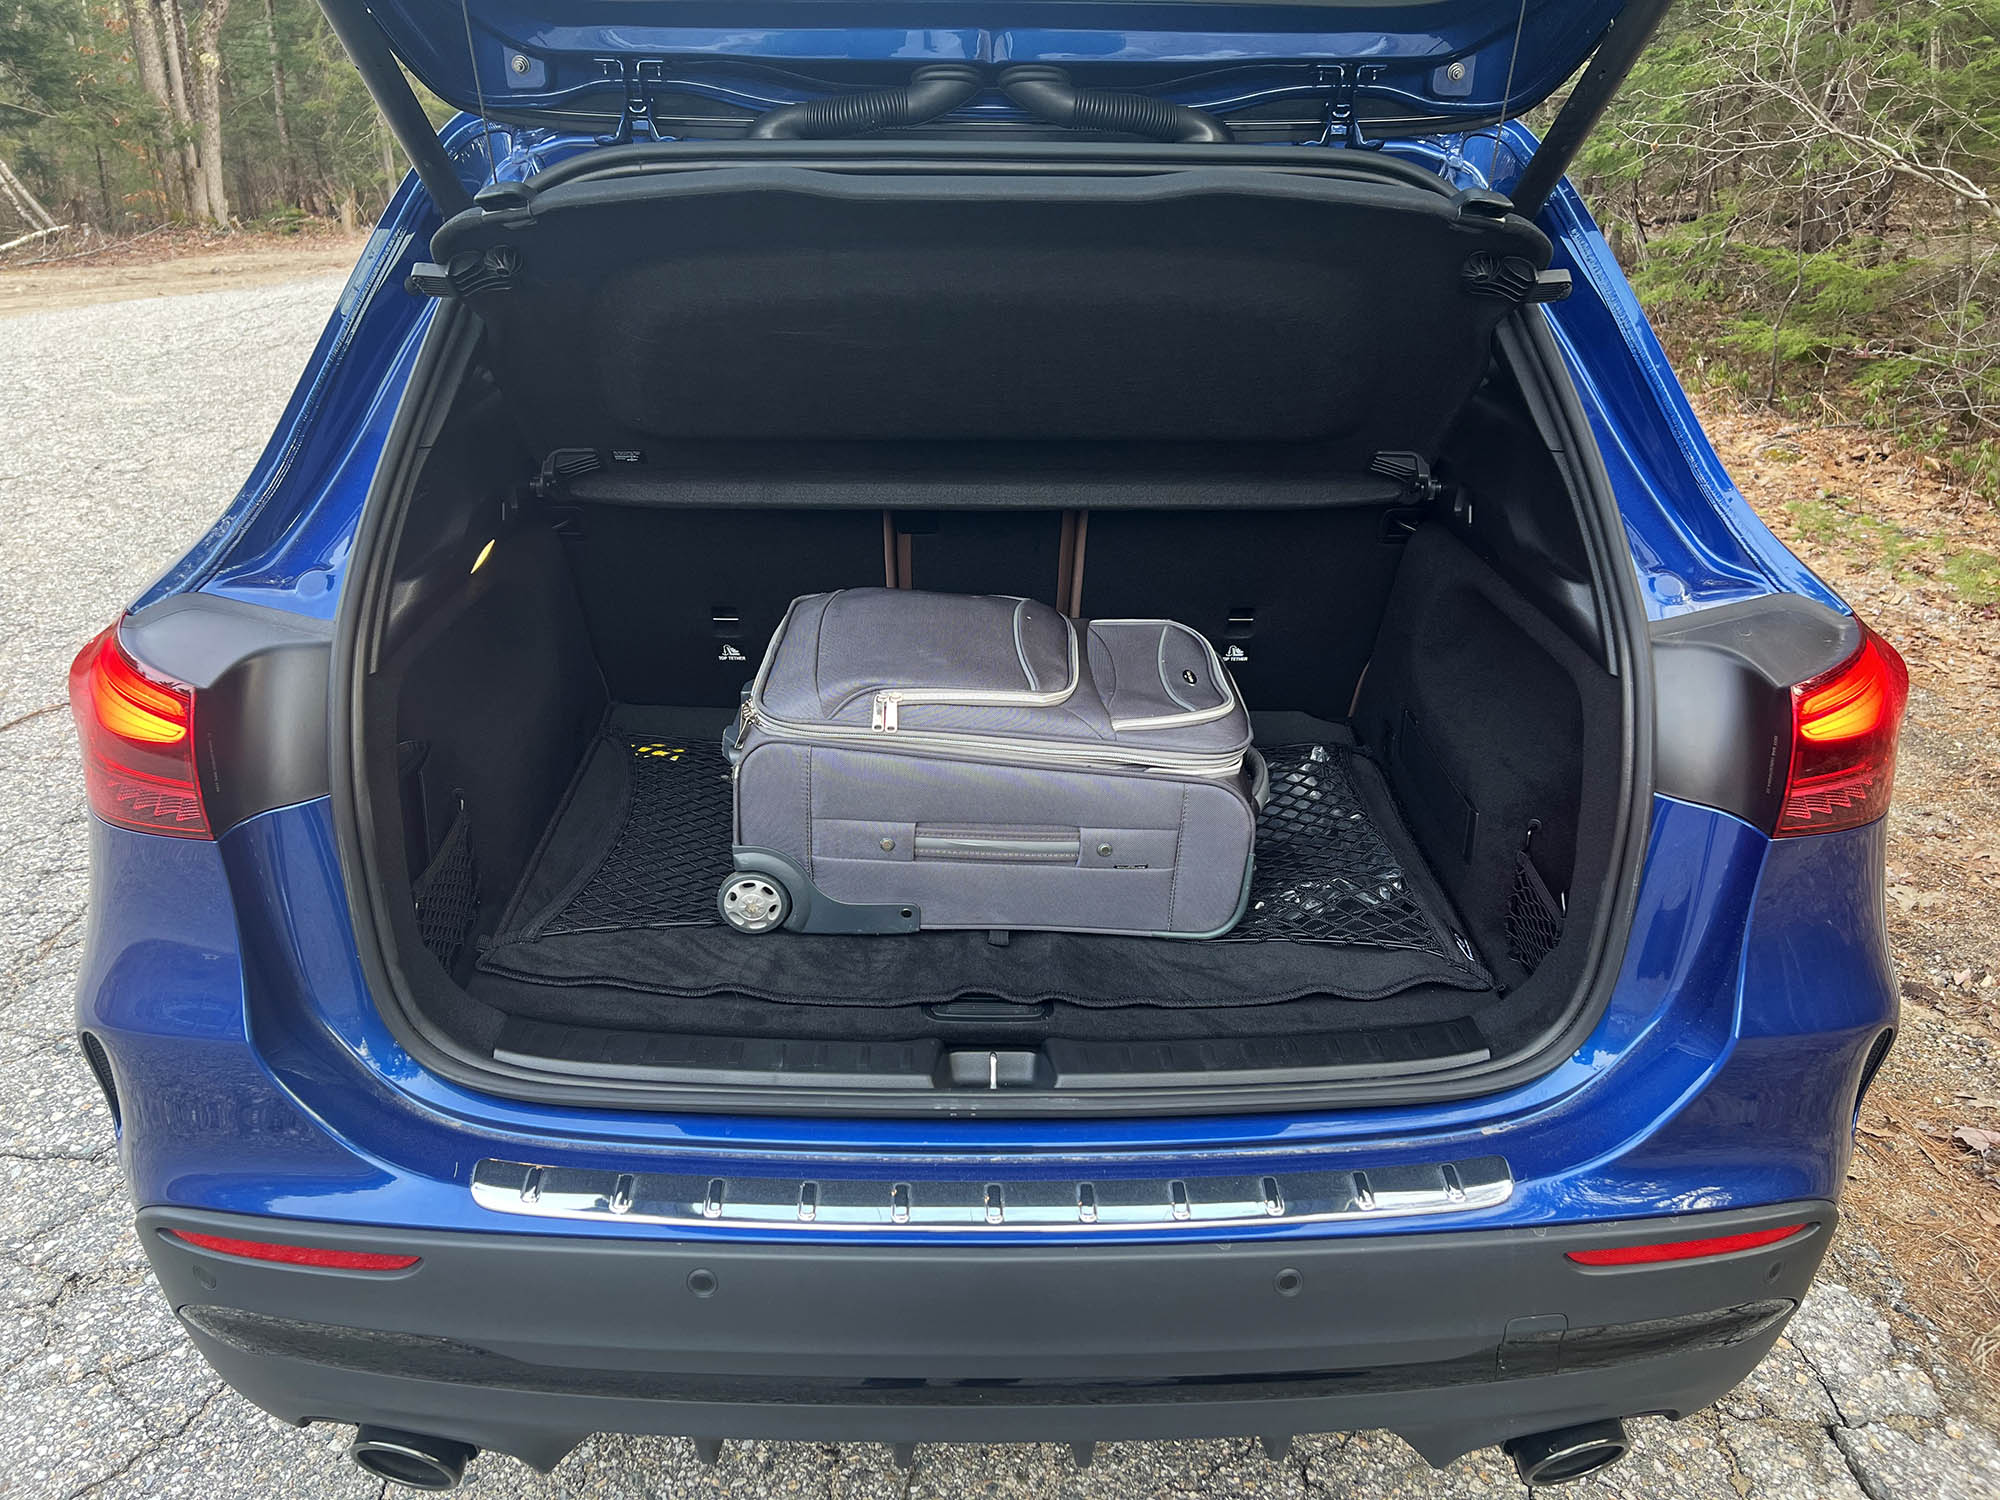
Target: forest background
(1806, 193)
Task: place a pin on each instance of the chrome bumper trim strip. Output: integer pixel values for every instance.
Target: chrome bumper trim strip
(1118, 1203)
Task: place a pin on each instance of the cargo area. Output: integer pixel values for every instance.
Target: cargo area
(596, 543)
(622, 892)
(566, 813)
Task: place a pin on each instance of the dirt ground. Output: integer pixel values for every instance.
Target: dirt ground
(169, 262)
(1919, 559)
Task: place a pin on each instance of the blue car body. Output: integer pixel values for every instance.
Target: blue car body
(256, 1076)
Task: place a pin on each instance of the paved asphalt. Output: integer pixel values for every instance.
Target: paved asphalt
(124, 429)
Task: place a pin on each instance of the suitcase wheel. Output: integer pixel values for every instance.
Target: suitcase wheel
(754, 903)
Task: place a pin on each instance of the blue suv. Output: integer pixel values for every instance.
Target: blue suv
(1519, 1103)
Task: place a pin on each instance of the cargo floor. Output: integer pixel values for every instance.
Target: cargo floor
(615, 923)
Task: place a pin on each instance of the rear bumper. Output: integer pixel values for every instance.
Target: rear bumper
(527, 1344)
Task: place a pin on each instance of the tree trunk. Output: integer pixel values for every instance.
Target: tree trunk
(290, 161)
(1778, 324)
(146, 49)
(174, 53)
(1832, 220)
(145, 28)
(249, 196)
(1704, 191)
(29, 238)
(104, 188)
(1880, 204)
(392, 170)
(322, 196)
(26, 204)
(208, 109)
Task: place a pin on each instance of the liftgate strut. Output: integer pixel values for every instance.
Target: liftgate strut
(1602, 77)
(369, 49)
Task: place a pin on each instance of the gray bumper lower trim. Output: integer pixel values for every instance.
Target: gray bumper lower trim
(526, 1342)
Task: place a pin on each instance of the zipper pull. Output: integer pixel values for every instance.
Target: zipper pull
(883, 720)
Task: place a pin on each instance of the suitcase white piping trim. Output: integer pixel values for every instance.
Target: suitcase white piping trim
(1211, 764)
(1192, 716)
(885, 699)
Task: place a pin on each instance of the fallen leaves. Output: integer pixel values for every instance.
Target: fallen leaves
(1976, 1139)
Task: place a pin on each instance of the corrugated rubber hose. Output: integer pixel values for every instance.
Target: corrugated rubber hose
(1048, 94)
(934, 90)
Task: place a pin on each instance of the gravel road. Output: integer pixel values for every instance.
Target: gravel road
(124, 428)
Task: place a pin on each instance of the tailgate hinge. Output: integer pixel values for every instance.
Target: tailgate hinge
(638, 77)
(1342, 82)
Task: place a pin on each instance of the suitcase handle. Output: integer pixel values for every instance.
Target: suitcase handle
(1260, 778)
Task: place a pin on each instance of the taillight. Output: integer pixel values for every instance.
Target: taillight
(1670, 1250)
(297, 1255)
(137, 730)
(1844, 726)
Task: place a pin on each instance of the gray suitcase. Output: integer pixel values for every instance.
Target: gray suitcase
(911, 760)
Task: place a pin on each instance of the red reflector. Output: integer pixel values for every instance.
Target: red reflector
(297, 1255)
(137, 731)
(1844, 726)
(1645, 1255)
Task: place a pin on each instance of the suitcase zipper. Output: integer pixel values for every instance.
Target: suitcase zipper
(882, 719)
(1217, 764)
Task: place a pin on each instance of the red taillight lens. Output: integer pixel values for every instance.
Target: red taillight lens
(297, 1255)
(1844, 726)
(138, 742)
(1647, 1255)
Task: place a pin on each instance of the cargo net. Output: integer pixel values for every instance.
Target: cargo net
(1324, 875)
(446, 895)
(1534, 916)
(672, 849)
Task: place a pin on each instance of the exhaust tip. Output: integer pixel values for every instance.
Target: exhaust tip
(1543, 1459)
(411, 1459)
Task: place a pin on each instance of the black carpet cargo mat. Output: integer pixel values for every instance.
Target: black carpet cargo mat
(671, 850)
(622, 890)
